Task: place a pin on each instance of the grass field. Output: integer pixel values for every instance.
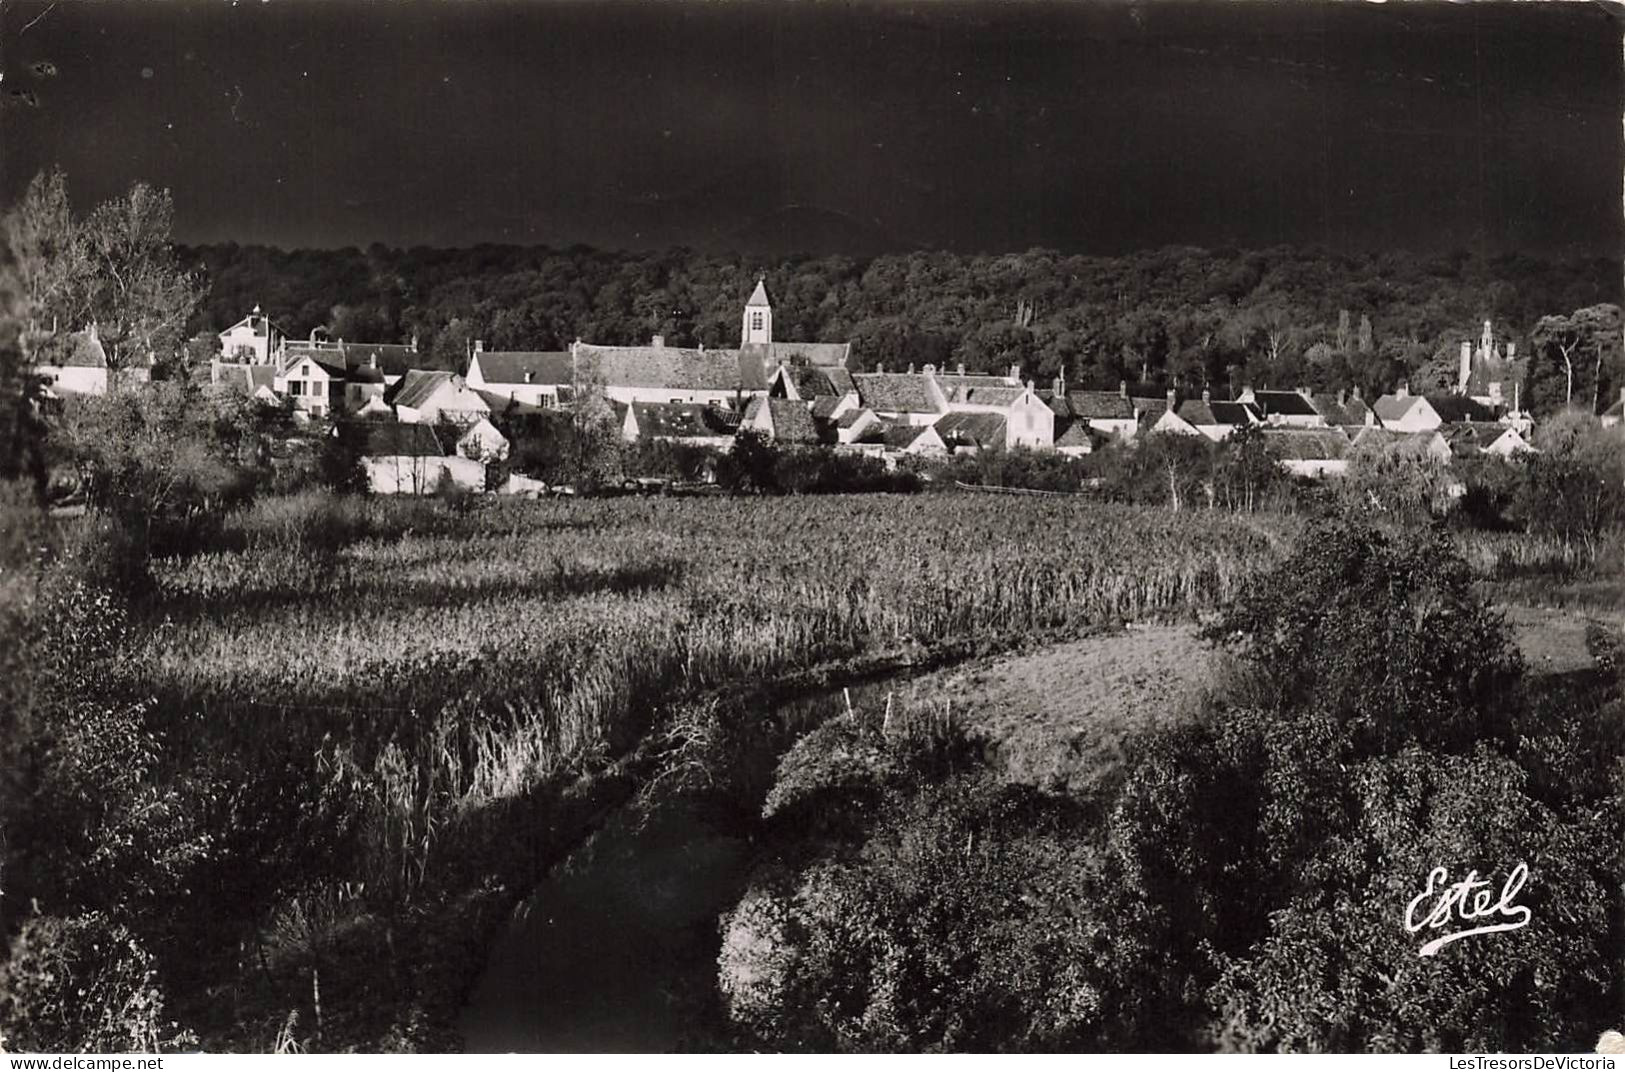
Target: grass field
(414, 682)
(420, 706)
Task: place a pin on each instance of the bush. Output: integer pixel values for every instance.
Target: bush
(83, 984)
(1382, 633)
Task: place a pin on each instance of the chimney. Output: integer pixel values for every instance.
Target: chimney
(658, 342)
(1512, 350)
(1058, 387)
(529, 375)
(930, 370)
(1403, 390)
(372, 360)
(1015, 373)
(1171, 403)
(880, 366)
(414, 340)
(1207, 396)
(1342, 396)
(911, 368)
(1122, 388)
(961, 368)
(1356, 392)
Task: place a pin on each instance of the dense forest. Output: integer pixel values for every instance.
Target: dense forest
(1176, 317)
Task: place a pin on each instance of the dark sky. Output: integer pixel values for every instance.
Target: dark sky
(1088, 127)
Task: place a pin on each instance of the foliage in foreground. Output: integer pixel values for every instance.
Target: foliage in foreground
(1246, 885)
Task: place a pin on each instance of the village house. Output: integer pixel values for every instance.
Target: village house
(782, 421)
(1469, 438)
(1404, 412)
(253, 340)
(685, 423)
(406, 459)
(1217, 420)
(77, 365)
(1109, 413)
(1074, 437)
(540, 378)
(1285, 409)
(973, 431)
(424, 397)
(483, 442)
(1432, 444)
(851, 425)
(315, 384)
(1307, 452)
(915, 439)
(905, 397)
(255, 381)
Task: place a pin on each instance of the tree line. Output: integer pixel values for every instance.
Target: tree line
(1178, 317)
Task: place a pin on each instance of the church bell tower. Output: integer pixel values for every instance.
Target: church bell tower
(757, 326)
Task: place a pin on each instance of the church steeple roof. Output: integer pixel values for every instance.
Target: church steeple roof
(759, 295)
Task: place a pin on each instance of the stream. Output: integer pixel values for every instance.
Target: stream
(594, 959)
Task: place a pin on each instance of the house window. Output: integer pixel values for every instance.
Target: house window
(677, 401)
(296, 387)
(756, 321)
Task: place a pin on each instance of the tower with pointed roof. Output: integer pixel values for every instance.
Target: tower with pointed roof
(757, 326)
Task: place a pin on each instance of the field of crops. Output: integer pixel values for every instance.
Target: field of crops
(445, 660)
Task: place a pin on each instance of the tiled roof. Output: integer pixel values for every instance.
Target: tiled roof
(1305, 444)
(792, 421)
(245, 378)
(951, 380)
(417, 386)
(983, 429)
(1394, 407)
(505, 405)
(824, 354)
(680, 420)
(510, 366)
(849, 418)
(1283, 403)
(1150, 407)
(1348, 411)
(824, 407)
(900, 436)
(78, 349)
(1372, 435)
(898, 392)
(816, 382)
(1454, 408)
(1075, 433)
(1000, 395)
(364, 374)
(1100, 405)
(392, 359)
(1471, 436)
(1211, 414)
(670, 367)
(329, 360)
(392, 439)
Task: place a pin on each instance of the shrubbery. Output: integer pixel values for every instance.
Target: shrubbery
(1247, 885)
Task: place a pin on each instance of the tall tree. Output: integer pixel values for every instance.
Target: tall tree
(134, 293)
